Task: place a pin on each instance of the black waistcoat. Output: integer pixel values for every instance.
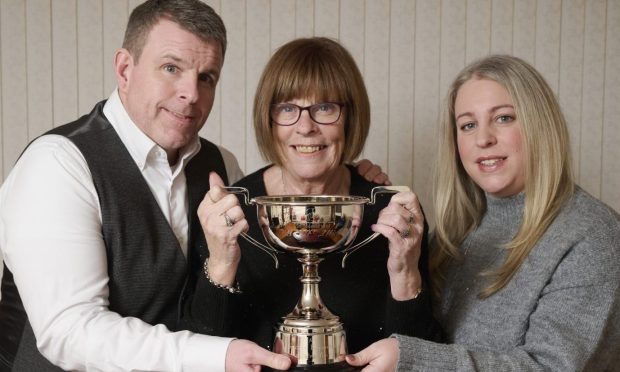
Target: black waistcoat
(146, 266)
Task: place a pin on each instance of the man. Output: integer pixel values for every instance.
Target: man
(98, 217)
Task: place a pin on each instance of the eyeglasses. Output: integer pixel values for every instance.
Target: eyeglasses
(322, 113)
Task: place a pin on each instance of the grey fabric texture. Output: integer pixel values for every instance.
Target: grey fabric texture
(560, 312)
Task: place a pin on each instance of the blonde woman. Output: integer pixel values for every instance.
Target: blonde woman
(526, 262)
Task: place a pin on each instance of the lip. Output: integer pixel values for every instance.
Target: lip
(179, 116)
(491, 163)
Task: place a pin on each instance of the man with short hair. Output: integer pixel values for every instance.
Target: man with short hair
(98, 217)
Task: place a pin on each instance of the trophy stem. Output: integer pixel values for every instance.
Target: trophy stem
(310, 305)
(311, 334)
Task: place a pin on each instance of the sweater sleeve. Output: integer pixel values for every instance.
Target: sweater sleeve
(575, 325)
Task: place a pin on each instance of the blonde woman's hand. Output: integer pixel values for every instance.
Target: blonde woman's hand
(381, 356)
(402, 223)
(222, 221)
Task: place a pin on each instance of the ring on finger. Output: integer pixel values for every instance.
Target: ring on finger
(229, 221)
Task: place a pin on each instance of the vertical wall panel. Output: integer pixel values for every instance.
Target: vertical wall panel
(257, 54)
(57, 62)
(501, 26)
(524, 29)
(453, 25)
(282, 22)
(326, 17)
(400, 133)
(232, 83)
(39, 71)
(304, 18)
(427, 62)
(548, 19)
(611, 126)
(571, 72)
(115, 17)
(376, 73)
(64, 61)
(478, 29)
(90, 54)
(592, 106)
(14, 80)
(352, 30)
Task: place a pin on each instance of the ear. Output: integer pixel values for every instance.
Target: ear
(123, 66)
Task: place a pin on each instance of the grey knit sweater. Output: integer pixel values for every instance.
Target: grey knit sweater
(560, 312)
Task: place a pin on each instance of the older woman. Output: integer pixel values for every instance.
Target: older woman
(311, 117)
(528, 260)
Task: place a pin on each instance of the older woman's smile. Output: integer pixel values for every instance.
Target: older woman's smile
(308, 149)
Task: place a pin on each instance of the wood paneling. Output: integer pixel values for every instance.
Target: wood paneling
(57, 61)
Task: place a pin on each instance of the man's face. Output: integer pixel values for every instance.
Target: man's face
(169, 91)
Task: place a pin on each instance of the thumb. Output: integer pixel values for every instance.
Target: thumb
(215, 180)
(273, 360)
(357, 360)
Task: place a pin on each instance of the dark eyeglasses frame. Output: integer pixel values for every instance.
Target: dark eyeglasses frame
(307, 108)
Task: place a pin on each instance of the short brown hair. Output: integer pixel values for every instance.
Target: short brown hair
(191, 15)
(317, 68)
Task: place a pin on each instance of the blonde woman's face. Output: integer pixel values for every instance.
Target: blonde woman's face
(489, 137)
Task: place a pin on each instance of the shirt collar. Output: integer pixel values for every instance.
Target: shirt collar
(137, 142)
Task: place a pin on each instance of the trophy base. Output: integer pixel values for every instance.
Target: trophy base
(335, 367)
(318, 342)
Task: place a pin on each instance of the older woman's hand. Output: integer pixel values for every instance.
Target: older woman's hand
(402, 223)
(222, 221)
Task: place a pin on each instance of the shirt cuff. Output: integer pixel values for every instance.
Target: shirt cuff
(205, 353)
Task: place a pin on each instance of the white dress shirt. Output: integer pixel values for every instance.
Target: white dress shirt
(50, 233)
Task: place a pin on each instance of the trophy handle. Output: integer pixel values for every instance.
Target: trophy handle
(373, 196)
(265, 248)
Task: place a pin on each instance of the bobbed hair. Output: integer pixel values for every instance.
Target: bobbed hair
(316, 68)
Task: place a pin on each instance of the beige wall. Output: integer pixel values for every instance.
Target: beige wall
(56, 62)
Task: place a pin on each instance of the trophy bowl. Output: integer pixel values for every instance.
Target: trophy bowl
(311, 226)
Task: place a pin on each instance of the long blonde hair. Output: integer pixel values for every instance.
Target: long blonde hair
(460, 203)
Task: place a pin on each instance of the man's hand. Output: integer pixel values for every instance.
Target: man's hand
(372, 172)
(379, 357)
(243, 355)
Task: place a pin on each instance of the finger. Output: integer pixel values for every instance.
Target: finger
(391, 233)
(267, 358)
(216, 188)
(410, 202)
(381, 179)
(363, 166)
(356, 360)
(215, 179)
(373, 172)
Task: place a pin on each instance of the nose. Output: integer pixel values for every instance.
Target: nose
(485, 136)
(188, 89)
(305, 125)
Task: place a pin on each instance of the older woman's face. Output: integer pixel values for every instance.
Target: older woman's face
(310, 150)
(489, 137)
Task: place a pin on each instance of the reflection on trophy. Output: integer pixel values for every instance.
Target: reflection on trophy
(311, 227)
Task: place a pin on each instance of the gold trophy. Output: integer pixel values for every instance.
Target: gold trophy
(311, 226)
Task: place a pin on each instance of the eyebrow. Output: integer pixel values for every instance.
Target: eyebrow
(493, 109)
